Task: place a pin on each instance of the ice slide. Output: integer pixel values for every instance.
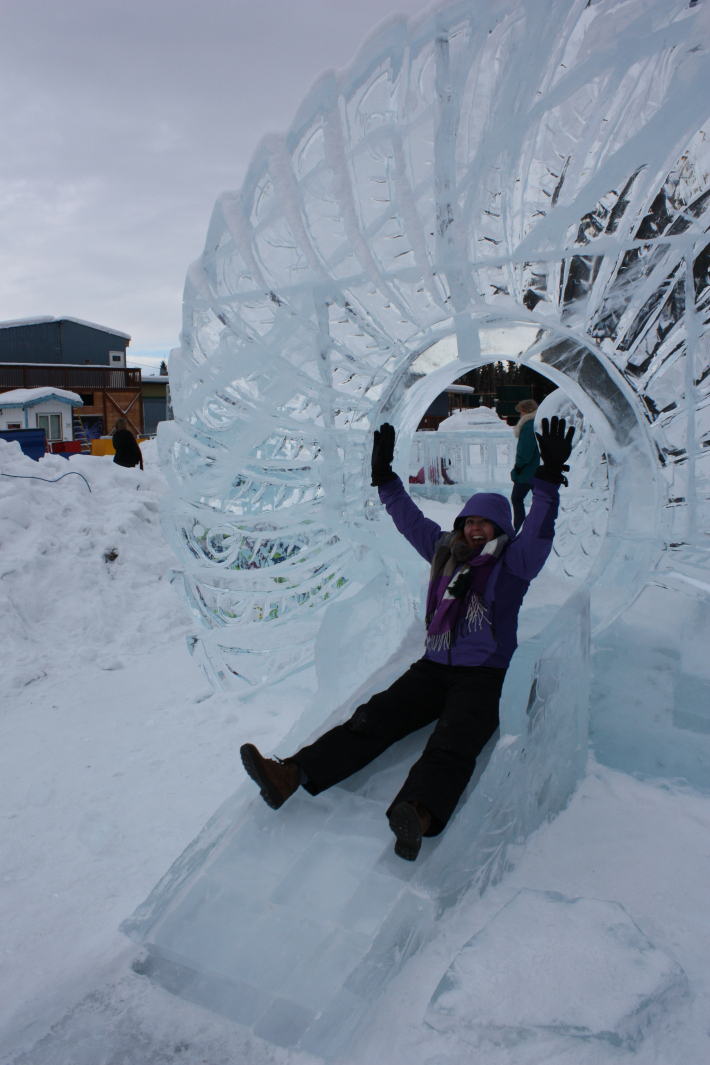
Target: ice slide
(454, 196)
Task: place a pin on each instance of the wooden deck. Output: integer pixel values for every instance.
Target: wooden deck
(109, 392)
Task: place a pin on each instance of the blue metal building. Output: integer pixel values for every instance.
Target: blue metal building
(62, 340)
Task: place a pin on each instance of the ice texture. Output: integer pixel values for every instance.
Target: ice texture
(584, 504)
(508, 180)
(477, 460)
(581, 967)
(292, 923)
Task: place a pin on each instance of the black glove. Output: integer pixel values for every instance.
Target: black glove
(555, 448)
(382, 455)
(515, 472)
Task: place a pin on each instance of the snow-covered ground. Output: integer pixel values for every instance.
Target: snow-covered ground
(114, 752)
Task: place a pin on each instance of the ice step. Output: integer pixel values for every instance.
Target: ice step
(579, 967)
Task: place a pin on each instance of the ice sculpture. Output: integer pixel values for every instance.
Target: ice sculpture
(292, 923)
(584, 507)
(509, 179)
(477, 460)
(547, 203)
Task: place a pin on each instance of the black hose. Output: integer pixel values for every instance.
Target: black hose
(31, 477)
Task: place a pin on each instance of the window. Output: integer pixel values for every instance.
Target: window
(52, 425)
(14, 425)
(87, 398)
(116, 357)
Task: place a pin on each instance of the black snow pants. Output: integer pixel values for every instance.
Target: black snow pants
(465, 701)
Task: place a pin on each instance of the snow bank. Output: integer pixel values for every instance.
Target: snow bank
(114, 751)
(84, 570)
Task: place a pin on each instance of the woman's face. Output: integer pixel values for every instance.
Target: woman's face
(478, 531)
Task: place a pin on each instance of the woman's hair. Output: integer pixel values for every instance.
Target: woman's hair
(526, 406)
(121, 424)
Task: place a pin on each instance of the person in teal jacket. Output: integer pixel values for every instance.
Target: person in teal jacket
(527, 459)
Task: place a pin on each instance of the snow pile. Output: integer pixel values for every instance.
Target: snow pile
(24, 396)
(84, 569)
(114, 751)
(474, 419)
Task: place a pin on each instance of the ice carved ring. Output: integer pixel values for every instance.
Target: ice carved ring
(440, 188)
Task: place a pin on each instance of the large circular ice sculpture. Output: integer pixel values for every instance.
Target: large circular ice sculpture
(537, 172)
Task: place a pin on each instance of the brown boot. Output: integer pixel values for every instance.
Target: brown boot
(277, 780)
(409, 822)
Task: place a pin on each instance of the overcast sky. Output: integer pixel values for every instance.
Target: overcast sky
(122, 120)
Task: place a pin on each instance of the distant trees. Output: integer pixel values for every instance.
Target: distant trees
(163, 371)
(487, 379)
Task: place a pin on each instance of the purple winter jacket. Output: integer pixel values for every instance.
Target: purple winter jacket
(522, 559)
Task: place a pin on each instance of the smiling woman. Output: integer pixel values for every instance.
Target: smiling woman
(478, 530)
(479, 575)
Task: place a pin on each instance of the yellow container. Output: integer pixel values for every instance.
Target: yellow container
(104, 445)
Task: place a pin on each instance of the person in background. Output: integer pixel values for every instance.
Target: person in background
(421, 478)
(527, 459)
(128, 453)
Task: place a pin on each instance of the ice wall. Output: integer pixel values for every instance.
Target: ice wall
(476, 460)
(452, 182)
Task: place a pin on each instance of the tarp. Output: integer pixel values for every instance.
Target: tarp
(32, 441)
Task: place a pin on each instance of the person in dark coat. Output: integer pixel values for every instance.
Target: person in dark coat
(128, 452)
(527, 459)
(479, 574)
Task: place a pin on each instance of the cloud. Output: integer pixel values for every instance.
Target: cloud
(121, 121)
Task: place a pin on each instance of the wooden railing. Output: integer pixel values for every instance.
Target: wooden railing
(71, 378)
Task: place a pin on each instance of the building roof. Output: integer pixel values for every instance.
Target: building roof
(30, 397)
(72, 366)
(45, 319)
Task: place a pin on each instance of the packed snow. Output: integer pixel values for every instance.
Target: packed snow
(115, 752)
(475, 419)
